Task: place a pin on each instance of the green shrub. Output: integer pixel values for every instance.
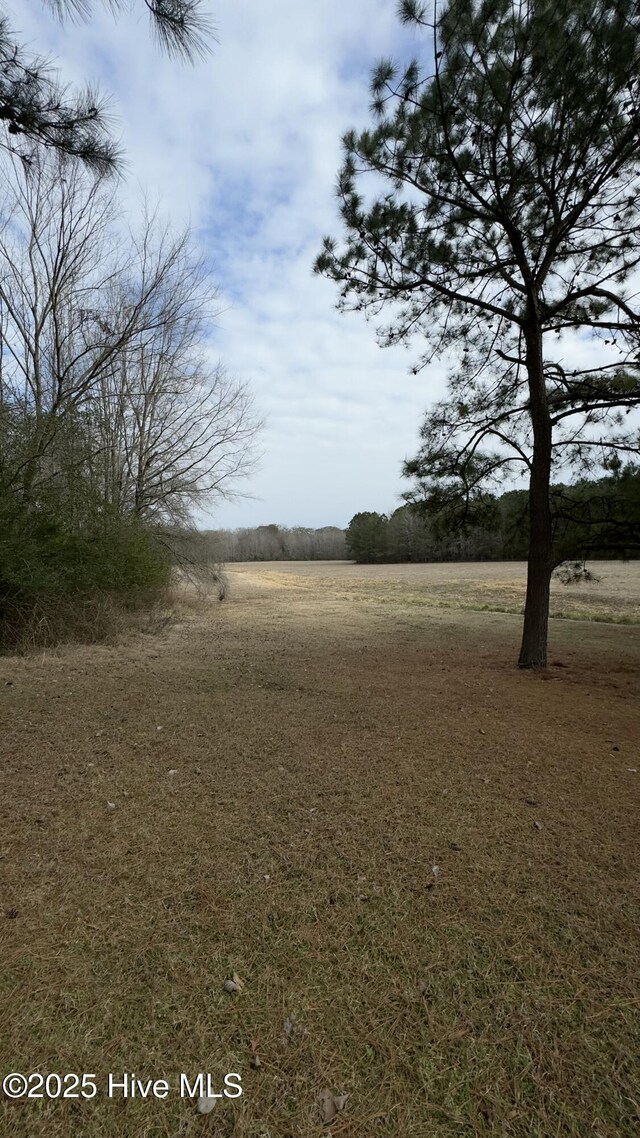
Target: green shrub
(61, 582)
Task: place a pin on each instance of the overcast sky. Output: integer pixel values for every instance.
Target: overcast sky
(246, 146)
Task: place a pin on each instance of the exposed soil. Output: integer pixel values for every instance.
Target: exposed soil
(265, 789)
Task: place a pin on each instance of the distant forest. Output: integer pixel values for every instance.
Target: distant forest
(593, 519)
(278, 543)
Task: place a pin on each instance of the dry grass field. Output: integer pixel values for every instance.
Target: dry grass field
(613, 597)
(420, 862)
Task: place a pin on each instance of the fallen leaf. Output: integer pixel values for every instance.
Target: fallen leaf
(327, 1106)
(330, 1105)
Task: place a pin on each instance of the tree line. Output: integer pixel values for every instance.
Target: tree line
(593, 519)
(277, 543)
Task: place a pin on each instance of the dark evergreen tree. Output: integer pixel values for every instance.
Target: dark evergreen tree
(598, 519)
(367, 537)
(512, 163)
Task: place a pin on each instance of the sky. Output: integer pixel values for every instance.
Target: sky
(245, 147)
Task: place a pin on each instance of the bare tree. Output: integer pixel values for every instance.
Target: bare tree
(55, 268)
(105, 363)
(176, 432)
(278, 543)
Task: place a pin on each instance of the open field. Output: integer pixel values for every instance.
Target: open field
(265, 789)
(613, 597)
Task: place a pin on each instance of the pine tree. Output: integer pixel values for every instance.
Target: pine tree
(511, 163)
(38, 110)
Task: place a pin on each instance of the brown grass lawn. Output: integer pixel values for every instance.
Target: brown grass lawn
(335, 733)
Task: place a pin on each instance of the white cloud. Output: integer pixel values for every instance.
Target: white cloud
(246, 146)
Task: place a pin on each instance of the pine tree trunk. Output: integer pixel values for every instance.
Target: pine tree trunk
(533, 651)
